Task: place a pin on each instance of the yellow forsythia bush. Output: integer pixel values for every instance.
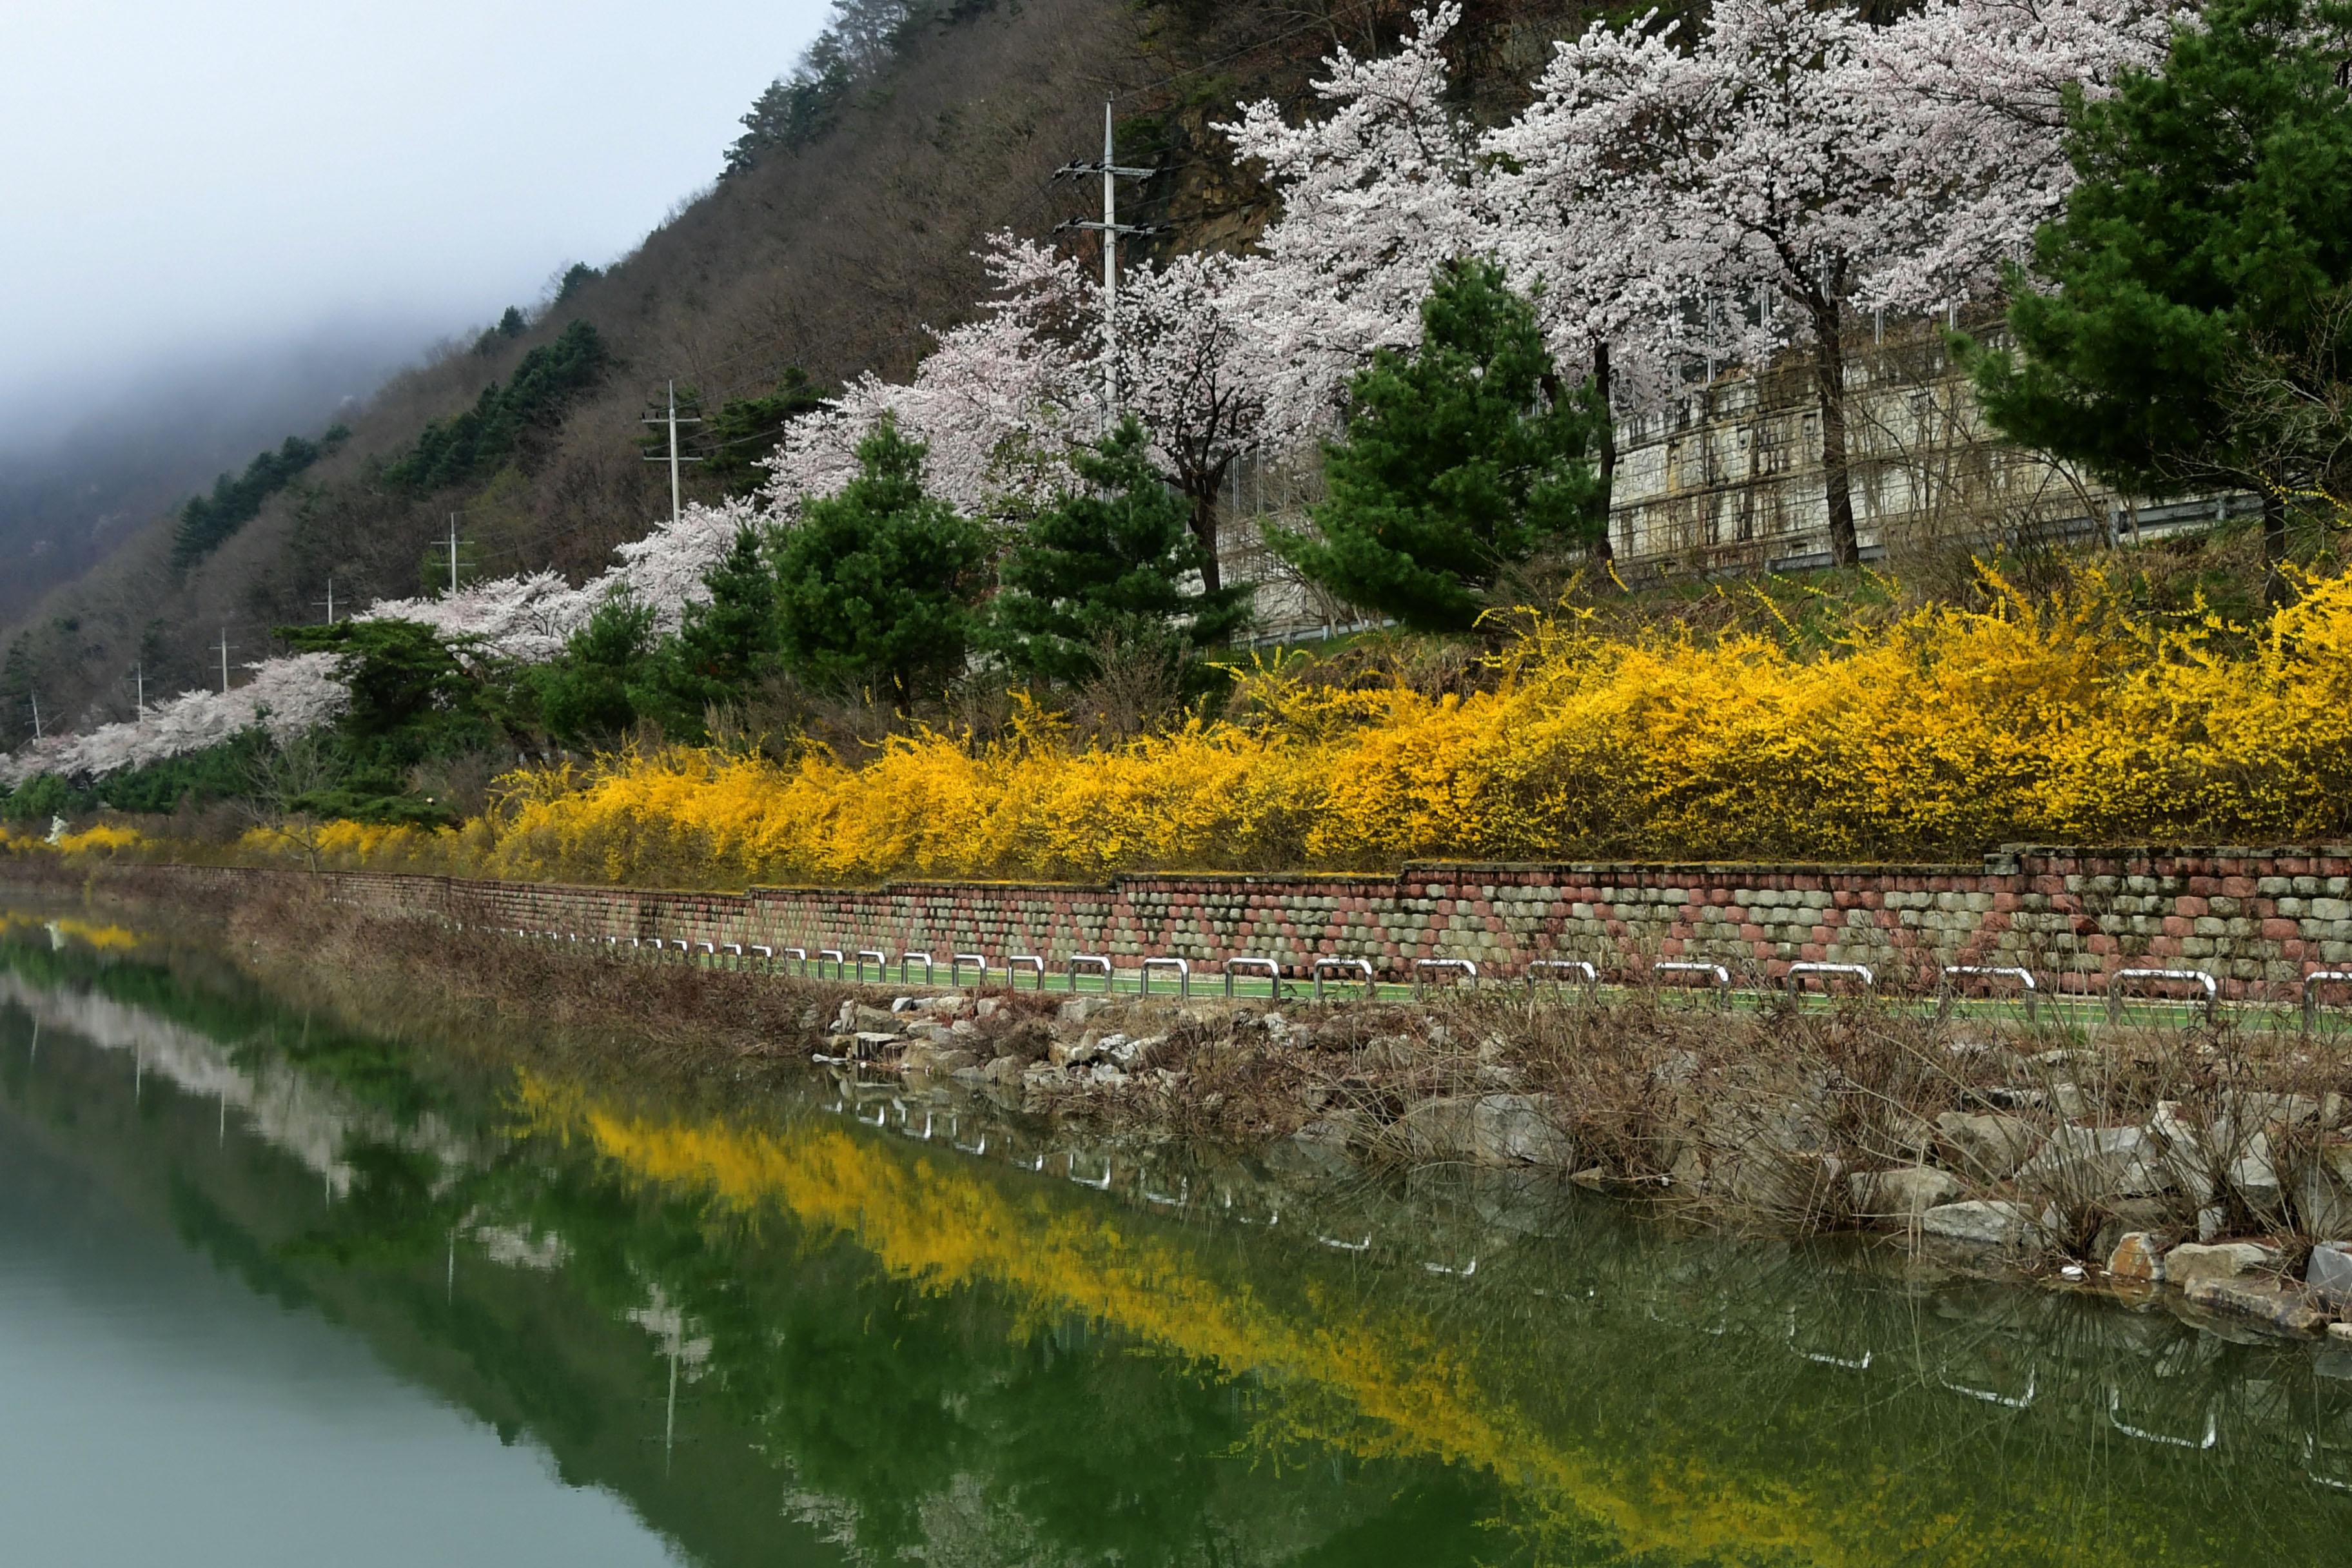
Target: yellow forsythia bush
(1939, 734)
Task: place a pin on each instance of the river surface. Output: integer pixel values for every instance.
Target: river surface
(273, 1293)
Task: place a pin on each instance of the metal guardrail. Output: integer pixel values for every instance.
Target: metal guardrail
(2318, 977)
(835, 956)
(1033, 960)
(1268, 967)
(1462, 966)
(1361, 966)
(2197, 977)
(924, 959)
(881, 964)
(1716, 973)
(1541, 966)
(1798, 974)
(980, 960)
(1092, 961)
(2024, 978)
(1183, 971)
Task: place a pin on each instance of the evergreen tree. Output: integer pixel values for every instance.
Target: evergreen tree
(1461, 461)
(1113, 566)
(876, 584)
(2205, 250)
(584, 695)
(722, 648)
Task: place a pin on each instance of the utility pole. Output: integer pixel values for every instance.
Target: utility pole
(453, 552)
(1112, 231)
(673, 421)
(139, 676)
(36, 713)
(331, 601)
(223, 653)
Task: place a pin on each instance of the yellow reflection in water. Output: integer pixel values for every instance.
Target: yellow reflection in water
(1377, 1378)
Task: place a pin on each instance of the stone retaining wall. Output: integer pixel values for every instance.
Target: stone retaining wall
(2257, 920)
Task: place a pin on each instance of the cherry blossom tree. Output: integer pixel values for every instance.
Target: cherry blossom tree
(1376, 195)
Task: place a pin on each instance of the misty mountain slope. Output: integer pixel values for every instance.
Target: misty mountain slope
(825, 261)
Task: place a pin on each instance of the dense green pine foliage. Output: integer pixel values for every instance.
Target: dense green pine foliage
(583, 697)
(1461, 461)
(207, 521)
(746, 429)
(505, 418)
(724, 645)
(2203, 267)
(1111, 571)
(875, 585)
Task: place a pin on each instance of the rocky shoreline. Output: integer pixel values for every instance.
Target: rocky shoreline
(2238, 1197)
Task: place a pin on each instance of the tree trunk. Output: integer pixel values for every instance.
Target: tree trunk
(1606, 469)
(1846, 548)
(1204, 527)
(2274, 542)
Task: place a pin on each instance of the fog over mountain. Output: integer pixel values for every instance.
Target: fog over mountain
(222, 220)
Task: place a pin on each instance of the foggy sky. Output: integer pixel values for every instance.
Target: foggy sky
(187, 179)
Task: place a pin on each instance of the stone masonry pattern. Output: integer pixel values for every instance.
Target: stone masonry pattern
(2257, 920)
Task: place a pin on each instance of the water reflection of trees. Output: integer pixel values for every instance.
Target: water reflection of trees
(1176, 1355)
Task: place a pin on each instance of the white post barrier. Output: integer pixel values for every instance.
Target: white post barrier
(881, 964)
(1184, 975)
(2318, 977)
(834, 956)
(1563, 966)
(923, 958)
(1266, 967)
(955, 967)
(2196, 977)
(1462, 966)
(1714, 971)
(1825, 972)
(1361, 967)
(2024, 978)
(1092, 961)
(1033, 960)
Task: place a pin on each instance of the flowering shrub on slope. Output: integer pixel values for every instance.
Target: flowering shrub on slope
(1940, 734)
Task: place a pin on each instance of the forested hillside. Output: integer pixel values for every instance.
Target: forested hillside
(844, 229)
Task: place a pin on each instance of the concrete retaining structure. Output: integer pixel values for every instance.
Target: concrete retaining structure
(2257, 920)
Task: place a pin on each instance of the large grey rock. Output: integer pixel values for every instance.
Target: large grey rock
(1904, 1194)
(2254, 1176)
(2328, 1272)
(1982, 1222)
(930, 1056)
(2098, 1163)
(2281, 1308)
(1520, 1129)
(2222, 1260)
(1990, 1147)
(1086, 1047)
(1005, 1070)
(1490, 1129)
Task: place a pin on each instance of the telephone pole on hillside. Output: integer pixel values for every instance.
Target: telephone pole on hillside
(673, 421)
(453, 551)
(36, 713)
(1112, 232)
(223, 655)
(331, 601)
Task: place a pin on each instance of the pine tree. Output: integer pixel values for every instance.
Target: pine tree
(2206, 248)
(1112, 567)
(724, 645)
(875, 585)
(1461, 461)
(584, 695)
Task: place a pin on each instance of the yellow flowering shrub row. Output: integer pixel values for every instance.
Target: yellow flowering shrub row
(1939, 733)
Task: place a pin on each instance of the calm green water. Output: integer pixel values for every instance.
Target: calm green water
(270, 1293)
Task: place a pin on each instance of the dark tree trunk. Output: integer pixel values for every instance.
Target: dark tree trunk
(1606, 467)
(2273, 541)
(1204, 489)
(1845, 547)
